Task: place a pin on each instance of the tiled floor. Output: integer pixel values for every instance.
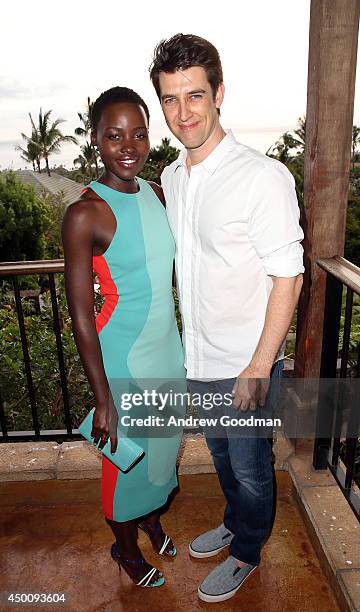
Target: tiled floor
(59, 543)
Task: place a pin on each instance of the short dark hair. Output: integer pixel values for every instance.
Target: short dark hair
(111, 96)
(183, 51)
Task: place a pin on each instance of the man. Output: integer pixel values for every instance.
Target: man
(235, 219)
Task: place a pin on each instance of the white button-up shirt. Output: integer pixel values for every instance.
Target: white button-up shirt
(235, 220)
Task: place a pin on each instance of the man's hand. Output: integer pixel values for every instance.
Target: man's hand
(250, 389)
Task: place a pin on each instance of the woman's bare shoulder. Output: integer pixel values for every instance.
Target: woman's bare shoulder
(85, 207)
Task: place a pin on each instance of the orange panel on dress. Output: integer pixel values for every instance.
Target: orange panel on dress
(108, 290)
(108, 485)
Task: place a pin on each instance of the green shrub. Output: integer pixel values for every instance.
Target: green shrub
(44, 366)
(24, 218)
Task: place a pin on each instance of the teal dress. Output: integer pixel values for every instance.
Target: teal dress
(139, 341)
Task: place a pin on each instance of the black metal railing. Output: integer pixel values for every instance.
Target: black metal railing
(337, 452)
(14, 270)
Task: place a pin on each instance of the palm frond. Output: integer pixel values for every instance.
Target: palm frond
(69, 139)
(56, 123)
(79, 131)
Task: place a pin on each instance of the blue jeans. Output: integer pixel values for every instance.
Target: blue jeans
(245, 473)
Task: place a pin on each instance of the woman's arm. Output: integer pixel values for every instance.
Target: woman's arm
(78, 238)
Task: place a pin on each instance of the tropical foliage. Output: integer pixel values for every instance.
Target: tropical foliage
(45, 140)
(56, 205)
(289, 149)
(85, 162)
(32, 152)
(88, 160)
(355, 142)
(159, 157)
(24, 219)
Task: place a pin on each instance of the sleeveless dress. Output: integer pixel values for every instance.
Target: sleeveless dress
(139, 339)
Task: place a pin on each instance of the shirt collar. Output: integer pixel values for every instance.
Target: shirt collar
(213, 160)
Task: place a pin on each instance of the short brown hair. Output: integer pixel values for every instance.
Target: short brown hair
(183, 51)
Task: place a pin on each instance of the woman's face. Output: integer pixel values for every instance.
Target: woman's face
(122, 139)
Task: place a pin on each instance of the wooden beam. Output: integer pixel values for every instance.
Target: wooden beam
(344, 271)
(333, 41)
(20, 268)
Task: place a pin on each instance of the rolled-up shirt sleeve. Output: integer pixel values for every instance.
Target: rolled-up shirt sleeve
(286, 262)
(273, 221)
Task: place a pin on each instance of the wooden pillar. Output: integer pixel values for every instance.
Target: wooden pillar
(333, 40)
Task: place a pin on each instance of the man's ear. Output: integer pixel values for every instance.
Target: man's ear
(220, 95)
(93, 139)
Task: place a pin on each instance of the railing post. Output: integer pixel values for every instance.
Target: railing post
(329, 354)
(336, 447)
(24, 344)
(60, 354)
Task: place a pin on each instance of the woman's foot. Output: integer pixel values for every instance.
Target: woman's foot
(161, 542)
(141, 573)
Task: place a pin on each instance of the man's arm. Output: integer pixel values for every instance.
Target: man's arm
(279, 312)
(275, 233)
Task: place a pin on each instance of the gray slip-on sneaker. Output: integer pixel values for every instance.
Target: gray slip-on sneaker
(210, 543)
(223, 582)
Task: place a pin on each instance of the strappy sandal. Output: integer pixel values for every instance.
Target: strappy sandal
(147, 580)
(152, 532)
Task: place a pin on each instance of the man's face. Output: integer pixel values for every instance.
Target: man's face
(189, 107)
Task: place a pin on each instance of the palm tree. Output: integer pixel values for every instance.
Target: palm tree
(300, 133)
(48, 136)
(159, 157)
(32, 152)
(85, 131)
(86, 162)
(281, 149)
(165, 152)
(355, 141)
(287, 142)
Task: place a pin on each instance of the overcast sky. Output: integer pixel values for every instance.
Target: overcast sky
(54, 55)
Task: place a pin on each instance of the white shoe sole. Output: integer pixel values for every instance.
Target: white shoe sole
(205, 555)
(223, 596)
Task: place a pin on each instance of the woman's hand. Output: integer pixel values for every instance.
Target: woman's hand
(104, 426)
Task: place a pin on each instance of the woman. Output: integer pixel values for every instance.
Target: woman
(119, 230)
